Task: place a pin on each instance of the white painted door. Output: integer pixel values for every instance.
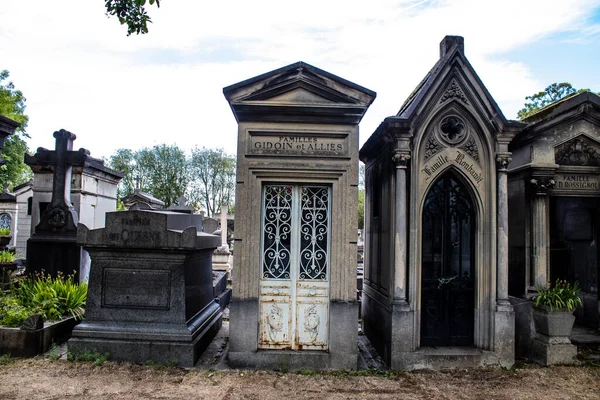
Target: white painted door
(294, 286)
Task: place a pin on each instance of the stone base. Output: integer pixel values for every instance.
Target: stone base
(54, 254)
(444, 358)
(24, 343)
(140, 342)
(504, 335)
(222, 262)
(546, 351)
(343, 339)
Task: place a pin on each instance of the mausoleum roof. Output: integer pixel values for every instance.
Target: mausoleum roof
(298, 93)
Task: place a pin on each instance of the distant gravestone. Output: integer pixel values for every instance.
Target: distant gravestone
(151, 291)
(210, 225)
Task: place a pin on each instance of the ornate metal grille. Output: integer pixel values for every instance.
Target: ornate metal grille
(277, 222)
(314, 232)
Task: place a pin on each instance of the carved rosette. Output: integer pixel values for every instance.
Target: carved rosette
(401, 158)
(432, 147)
(471, 149)
(454, 91)
(579, 151)
(502, 161)
(541, 185)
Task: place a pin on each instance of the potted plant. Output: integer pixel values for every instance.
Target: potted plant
(5, 237)
(7, 266)
(554, 306)
(38, 311)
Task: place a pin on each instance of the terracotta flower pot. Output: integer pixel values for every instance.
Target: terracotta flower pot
(555, 323)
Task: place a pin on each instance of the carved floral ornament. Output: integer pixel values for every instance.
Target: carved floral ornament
(454, 91)
(401, 159)
(579, 151)
(541, 185)
(503, 160)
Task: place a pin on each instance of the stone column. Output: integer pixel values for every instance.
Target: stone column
(224, 210)
(540, 216)
(401, 159)
(502, 160)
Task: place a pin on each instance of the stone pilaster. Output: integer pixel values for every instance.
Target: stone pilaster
(502, 161)
(540, 230)
(401, 159)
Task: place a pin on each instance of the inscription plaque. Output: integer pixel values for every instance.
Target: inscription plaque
(577, 182)
(298, 144)
(151, 289)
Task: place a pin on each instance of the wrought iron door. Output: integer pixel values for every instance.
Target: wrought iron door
(447, 292)
(294, 286)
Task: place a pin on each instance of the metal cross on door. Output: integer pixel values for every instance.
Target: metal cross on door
(294, 286)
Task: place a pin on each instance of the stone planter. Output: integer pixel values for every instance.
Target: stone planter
(4, 241)
(28, 343)
(556, 323)
(6, 270)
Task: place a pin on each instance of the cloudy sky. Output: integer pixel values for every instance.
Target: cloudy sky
(79, 71)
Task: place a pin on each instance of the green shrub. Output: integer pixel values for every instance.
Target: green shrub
(7, 256)
(52, 298)
(5, 231)
(562, 296)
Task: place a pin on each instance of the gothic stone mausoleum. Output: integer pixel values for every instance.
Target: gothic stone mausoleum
(436, 252)
(294, 282)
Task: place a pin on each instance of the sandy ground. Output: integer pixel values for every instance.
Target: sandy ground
(46, 379)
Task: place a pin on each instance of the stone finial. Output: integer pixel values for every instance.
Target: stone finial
(401, 158)
(449, 42)
(6, 185)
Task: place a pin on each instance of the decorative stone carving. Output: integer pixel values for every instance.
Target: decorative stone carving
(578, 151)
(541, 185)
(275, 320)
(502, 161)
(452, 91)
(401, 158)
(311, 322)
(471, 149)
(452, 129)
(432, 146)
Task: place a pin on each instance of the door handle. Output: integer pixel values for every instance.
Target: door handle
(312, 293)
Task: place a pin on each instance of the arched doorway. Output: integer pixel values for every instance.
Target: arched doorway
(448, 247)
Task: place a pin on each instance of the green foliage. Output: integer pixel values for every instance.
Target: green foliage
(5, 231)
(6, 359)
(7, 256)
(132, 13)
(160, 171)
(562, 296)
(97, 358)
(552, 94)
(12, 105)
(52, 298)
(212, 179)
(54, 354)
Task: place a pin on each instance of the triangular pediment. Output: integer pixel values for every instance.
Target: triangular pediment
(581, 150)
(297, 90)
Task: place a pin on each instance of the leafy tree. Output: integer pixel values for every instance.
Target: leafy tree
(551, 94)
(132, 13)
(160, 171)
(12, 105)
(212, 180)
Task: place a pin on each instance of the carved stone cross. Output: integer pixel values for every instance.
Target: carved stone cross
(59, 216)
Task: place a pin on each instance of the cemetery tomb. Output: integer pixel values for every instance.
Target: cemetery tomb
(68, 187)
(435, 290)
(554, 203)
(151, 294)
(294, 277)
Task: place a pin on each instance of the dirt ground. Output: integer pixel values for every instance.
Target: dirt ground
(46, 379)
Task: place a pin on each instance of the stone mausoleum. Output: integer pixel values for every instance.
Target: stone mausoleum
(436, 216)
(554, 204)
(294, 275)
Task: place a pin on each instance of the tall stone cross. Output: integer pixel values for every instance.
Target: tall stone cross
(59, 216)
